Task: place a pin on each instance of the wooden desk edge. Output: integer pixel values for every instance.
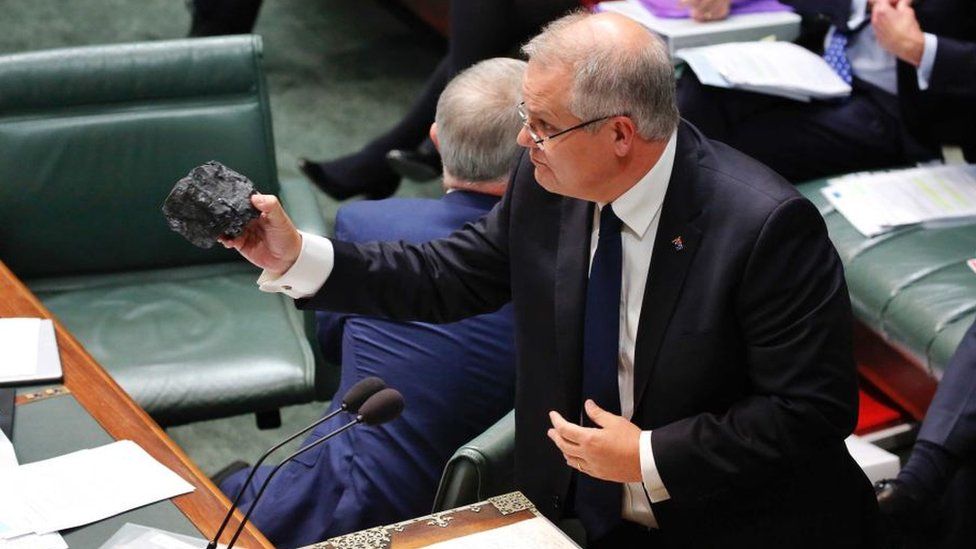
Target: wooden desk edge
(118, 414)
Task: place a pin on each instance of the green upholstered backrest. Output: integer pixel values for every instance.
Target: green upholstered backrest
(92, 140)
(912, 286)
(482, 468)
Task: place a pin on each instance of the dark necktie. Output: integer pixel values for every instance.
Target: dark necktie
(598, 502)
(835, 54)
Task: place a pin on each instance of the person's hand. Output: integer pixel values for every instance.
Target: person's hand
(897, 29)
(708, 10)
(609, 452)
(271, 241)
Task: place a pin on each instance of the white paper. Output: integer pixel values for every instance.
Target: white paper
(90, 485)
(28, 350)
(7, 456)
(774, 68)
(136, 536)
(34, 541)
(537, 533)
(875, 203)
(18, 346)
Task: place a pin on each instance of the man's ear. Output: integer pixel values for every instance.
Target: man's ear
(623, 131)
(433, 136)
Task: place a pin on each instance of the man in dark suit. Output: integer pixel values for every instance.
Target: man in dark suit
(933, 500)
(913, 72)
(457, 379)
(683, 330)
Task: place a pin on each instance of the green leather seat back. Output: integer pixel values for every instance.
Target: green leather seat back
(912, 286)
(93, 139)
(482, 468)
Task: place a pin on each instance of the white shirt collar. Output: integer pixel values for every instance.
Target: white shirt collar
(640, 204)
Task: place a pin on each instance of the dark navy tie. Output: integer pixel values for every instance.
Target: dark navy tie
(598, 502)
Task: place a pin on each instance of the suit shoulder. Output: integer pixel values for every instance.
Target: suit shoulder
(743, 182)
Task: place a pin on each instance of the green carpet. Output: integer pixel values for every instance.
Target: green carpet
(340, 72)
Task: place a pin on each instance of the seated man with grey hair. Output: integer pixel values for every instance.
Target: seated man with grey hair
(682, 324)
(457, 379)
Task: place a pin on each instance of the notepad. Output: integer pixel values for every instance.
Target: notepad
(878, 202)
(28, 351)
(782, 69)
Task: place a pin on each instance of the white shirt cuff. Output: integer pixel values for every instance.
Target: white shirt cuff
(308, 274)
(928, 61)
(649, 473)
(859, 11)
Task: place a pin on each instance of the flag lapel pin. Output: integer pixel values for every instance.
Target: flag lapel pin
(678, 244)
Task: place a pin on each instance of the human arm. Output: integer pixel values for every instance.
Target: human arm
(443, 280)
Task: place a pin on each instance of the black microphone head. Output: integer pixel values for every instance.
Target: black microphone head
(384, 406)
(358, 393)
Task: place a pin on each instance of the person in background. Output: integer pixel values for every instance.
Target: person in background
(913, 71)
(933, 501)
(457, 379)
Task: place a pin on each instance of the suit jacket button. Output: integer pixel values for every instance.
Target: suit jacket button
(555, 502)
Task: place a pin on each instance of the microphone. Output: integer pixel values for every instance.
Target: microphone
(354, 398)
(383, 406)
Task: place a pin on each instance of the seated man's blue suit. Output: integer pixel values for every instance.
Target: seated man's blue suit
(457, 379)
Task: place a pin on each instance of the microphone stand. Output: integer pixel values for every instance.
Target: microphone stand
(264, 485)
(237, 499)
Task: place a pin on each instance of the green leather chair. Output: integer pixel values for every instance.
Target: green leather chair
(92, 139)
(911, 286)
(482, 468)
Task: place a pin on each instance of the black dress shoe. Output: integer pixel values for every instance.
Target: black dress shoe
(895, 500)
(421, 164)
(346, 178)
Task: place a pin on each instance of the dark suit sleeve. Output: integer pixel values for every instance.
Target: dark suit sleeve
(444, 280)
(795, 318)
(954, 71)
(951, 418)
(838, 12)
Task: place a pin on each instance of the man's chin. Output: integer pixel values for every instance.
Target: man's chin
(543, 176)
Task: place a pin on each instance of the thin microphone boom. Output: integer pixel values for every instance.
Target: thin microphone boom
(383, 406)
(353, 399)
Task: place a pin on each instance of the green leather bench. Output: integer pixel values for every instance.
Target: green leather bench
(482, 468)
(92, 140)
(912, 286)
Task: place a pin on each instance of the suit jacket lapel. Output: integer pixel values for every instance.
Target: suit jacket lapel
(675, 246)
(572, 266)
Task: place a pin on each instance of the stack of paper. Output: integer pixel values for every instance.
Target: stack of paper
(13, 536)
(28, 350)
(772, 68)
(81, 487)
(686, 33)
(875, 203)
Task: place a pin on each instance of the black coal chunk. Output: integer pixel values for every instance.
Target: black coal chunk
(212, 200)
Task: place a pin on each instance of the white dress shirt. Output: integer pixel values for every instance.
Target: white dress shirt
(640, 210)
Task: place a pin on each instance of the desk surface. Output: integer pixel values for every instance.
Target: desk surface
(121, 418)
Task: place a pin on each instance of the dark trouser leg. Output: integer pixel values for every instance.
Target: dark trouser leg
(216, 17)
(801, 141)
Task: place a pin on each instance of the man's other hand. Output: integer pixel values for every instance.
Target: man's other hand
(708, 10)
(610, 451)
(271, 241)
(897, 30)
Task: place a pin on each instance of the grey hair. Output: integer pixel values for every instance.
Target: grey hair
(477, 122)
(612, 79)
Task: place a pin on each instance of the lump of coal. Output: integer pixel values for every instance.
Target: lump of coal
(212, 200)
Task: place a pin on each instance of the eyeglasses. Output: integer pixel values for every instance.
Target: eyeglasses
(540, 139)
